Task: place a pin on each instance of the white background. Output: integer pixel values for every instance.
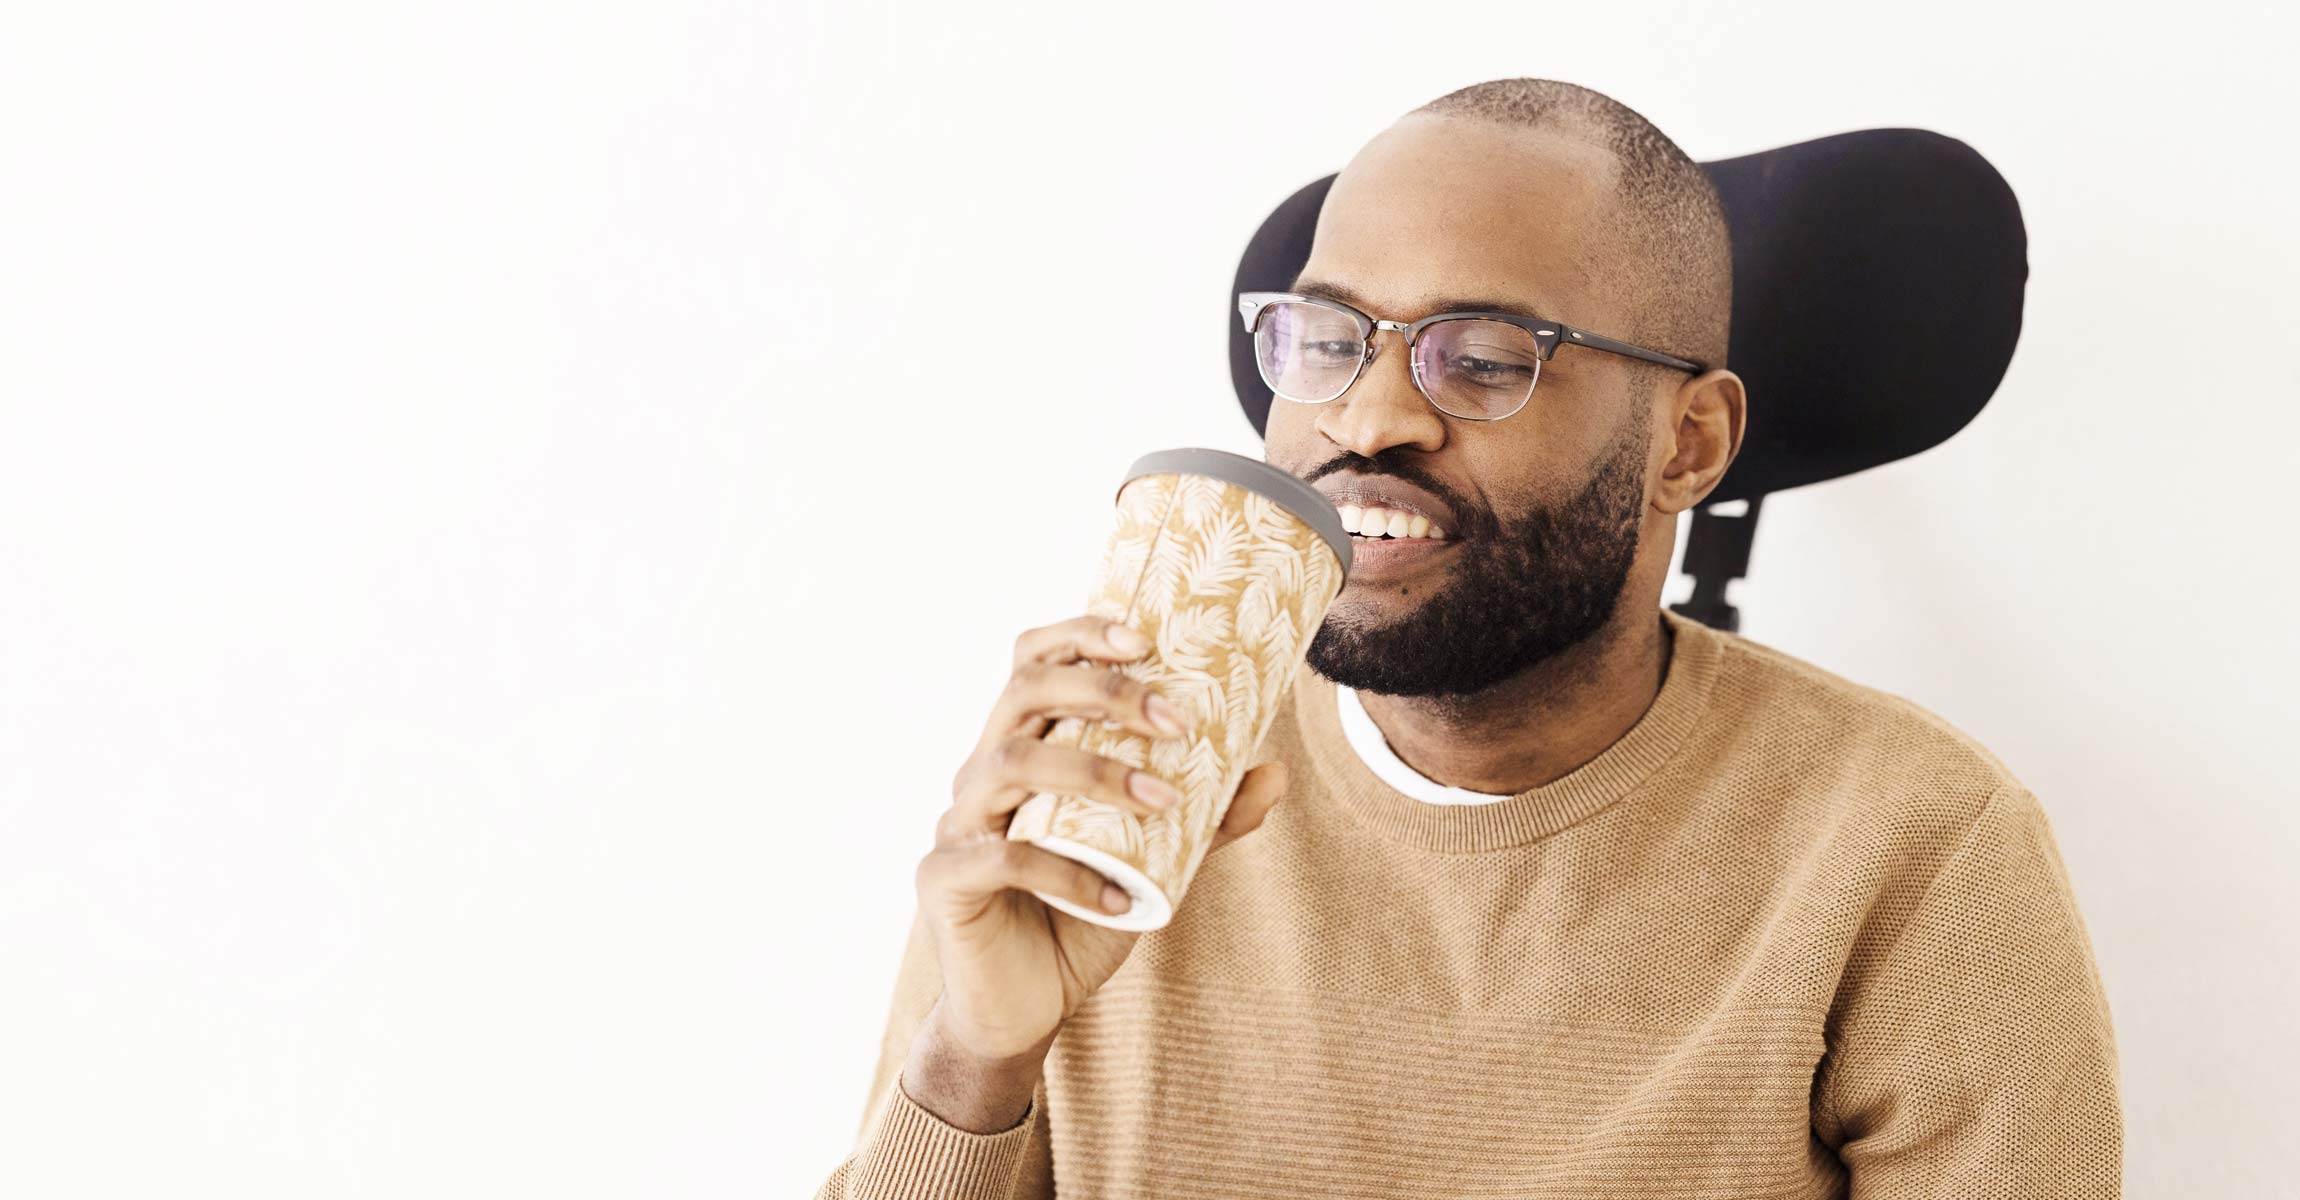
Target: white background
(510, 516)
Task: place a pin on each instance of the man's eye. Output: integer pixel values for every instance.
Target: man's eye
(1488, 368)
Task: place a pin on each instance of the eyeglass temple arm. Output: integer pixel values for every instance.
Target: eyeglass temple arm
(1582, 337)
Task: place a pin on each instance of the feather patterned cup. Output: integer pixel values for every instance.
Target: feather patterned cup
(1228, 565)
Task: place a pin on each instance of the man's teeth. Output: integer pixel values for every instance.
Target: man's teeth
(1378, 522)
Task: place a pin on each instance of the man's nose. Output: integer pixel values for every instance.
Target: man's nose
(1383, 408)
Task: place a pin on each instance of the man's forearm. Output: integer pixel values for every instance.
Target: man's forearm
(978, 1095)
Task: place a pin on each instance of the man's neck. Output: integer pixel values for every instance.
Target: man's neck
(1539, 725)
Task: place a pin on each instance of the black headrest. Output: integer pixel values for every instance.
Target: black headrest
(1877, 280)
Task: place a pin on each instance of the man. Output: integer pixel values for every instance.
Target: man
(1571, 896)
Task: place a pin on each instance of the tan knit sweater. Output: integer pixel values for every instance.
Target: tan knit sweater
(1789, 936)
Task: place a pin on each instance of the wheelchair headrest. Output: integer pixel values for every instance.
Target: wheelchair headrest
(1877, 280)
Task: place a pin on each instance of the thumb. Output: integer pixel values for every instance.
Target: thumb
(1257, 793)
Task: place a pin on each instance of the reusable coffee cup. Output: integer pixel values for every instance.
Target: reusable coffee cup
(1227, 564)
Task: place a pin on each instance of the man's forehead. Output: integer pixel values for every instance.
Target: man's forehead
(1433, 216)
(1404, 270)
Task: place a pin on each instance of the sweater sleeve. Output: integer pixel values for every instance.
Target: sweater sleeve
(1972, 1054)
(902, 1151)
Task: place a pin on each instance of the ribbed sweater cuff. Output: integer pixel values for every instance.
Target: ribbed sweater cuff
(915, 1155)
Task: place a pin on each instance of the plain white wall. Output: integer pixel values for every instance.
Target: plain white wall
(510, 515)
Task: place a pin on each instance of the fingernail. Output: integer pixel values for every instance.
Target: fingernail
(1126, 639)
(1164, 714)
(1114, 898)
(1151, 790)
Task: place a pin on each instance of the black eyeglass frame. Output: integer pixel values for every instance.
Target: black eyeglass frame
(1547, 337)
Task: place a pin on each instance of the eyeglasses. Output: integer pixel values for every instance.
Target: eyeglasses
(1479, 366)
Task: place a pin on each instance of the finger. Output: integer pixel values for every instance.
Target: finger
(1258, 793)
(1016, 768)
(1038, 693)
(958, 878)
(1077, 638)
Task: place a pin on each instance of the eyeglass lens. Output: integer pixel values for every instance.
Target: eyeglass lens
(1469, 367)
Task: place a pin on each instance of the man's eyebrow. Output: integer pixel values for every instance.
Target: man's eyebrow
(1335, 291)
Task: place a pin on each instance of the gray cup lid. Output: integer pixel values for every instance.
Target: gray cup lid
(1279, 486)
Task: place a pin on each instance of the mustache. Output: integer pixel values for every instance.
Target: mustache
(1471, 518)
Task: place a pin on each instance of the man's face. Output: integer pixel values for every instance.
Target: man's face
(1549, 504)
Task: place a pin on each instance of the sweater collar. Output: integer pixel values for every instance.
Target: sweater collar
(1526, 816)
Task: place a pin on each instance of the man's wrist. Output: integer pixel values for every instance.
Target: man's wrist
(964, 1090)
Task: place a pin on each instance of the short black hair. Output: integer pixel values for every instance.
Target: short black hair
(1672, 223)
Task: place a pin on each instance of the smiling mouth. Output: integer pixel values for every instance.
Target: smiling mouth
(1384, 537)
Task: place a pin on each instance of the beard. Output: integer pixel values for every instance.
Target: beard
(1522, 592)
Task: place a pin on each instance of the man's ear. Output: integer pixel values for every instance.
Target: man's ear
(1707, 416)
